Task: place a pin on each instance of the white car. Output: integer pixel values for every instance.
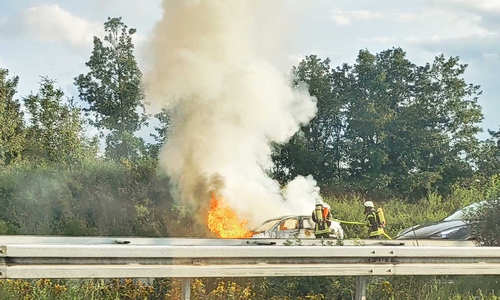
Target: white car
(293, 226)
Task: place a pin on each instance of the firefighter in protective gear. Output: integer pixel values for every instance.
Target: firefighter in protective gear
(322, 218)
(375, 229)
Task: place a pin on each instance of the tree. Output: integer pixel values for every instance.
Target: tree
(317, 148)
(487, 159)
(12, 131)
(386, 125)
(55, 127)
(411, 128)
(161, 134)
(113, 90)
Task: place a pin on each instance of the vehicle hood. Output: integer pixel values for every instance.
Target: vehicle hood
(428, 229)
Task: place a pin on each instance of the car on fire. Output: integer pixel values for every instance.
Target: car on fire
(452, 227)
(293, 227)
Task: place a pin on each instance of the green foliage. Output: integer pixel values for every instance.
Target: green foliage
(161, 132)
(385, 126)
(124, 145)
(12, 131)
(483, 221)
(318, 148)
(54, 134)
(487, 159)
(95, 197)
(113, 90)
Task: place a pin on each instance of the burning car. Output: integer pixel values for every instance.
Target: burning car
(293, 226)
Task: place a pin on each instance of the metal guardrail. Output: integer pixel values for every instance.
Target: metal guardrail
(104, 240)
(122, 261)
(62, 257)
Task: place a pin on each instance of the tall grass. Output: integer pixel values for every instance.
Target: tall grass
(296, 288)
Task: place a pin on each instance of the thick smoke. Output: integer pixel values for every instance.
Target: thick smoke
(301, 194)
(227, 104)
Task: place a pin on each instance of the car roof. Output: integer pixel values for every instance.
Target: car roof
(286, 217)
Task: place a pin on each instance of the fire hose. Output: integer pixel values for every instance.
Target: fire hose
(360, 223)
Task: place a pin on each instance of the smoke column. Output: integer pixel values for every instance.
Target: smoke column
(227, 104)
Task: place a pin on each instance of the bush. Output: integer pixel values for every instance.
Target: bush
(484, 223)
(96, 197)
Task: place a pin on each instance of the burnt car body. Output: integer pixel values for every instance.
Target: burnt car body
(452, 227)
(293, 226)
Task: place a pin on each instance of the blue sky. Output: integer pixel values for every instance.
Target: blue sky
(54, 38)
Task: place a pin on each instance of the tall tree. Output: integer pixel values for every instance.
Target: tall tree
(12, 133)
(55, 132)
(386, 125)
(411, 128)
(113, 90)
(317, 148)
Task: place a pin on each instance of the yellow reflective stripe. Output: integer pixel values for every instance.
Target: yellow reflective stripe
(377, 232)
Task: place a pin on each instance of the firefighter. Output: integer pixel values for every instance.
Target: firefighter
(322, 218)
(375, 229)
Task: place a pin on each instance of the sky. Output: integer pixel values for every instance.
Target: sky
(54, 38)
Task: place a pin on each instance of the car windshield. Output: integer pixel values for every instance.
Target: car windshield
(459, 214)
(266, 225)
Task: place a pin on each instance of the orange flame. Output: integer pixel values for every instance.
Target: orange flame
(222, 220)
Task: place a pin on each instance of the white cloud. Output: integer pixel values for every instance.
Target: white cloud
(407, 17)
(471, 46)
(344, 17)
(487, 12)
(484, 5)
(413, 17)
(411, 39)
(452, 25)
(378, 39)
(449, 41)
(52, 23)
(488, 5)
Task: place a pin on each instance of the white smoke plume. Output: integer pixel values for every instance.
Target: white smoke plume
(227, 103)
(301, 195)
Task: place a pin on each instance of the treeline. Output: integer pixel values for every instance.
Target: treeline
(385, 128)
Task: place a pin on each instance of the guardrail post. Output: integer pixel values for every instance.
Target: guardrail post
(3, 265)
(186, 289)
(3, 268)
(360, 288)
